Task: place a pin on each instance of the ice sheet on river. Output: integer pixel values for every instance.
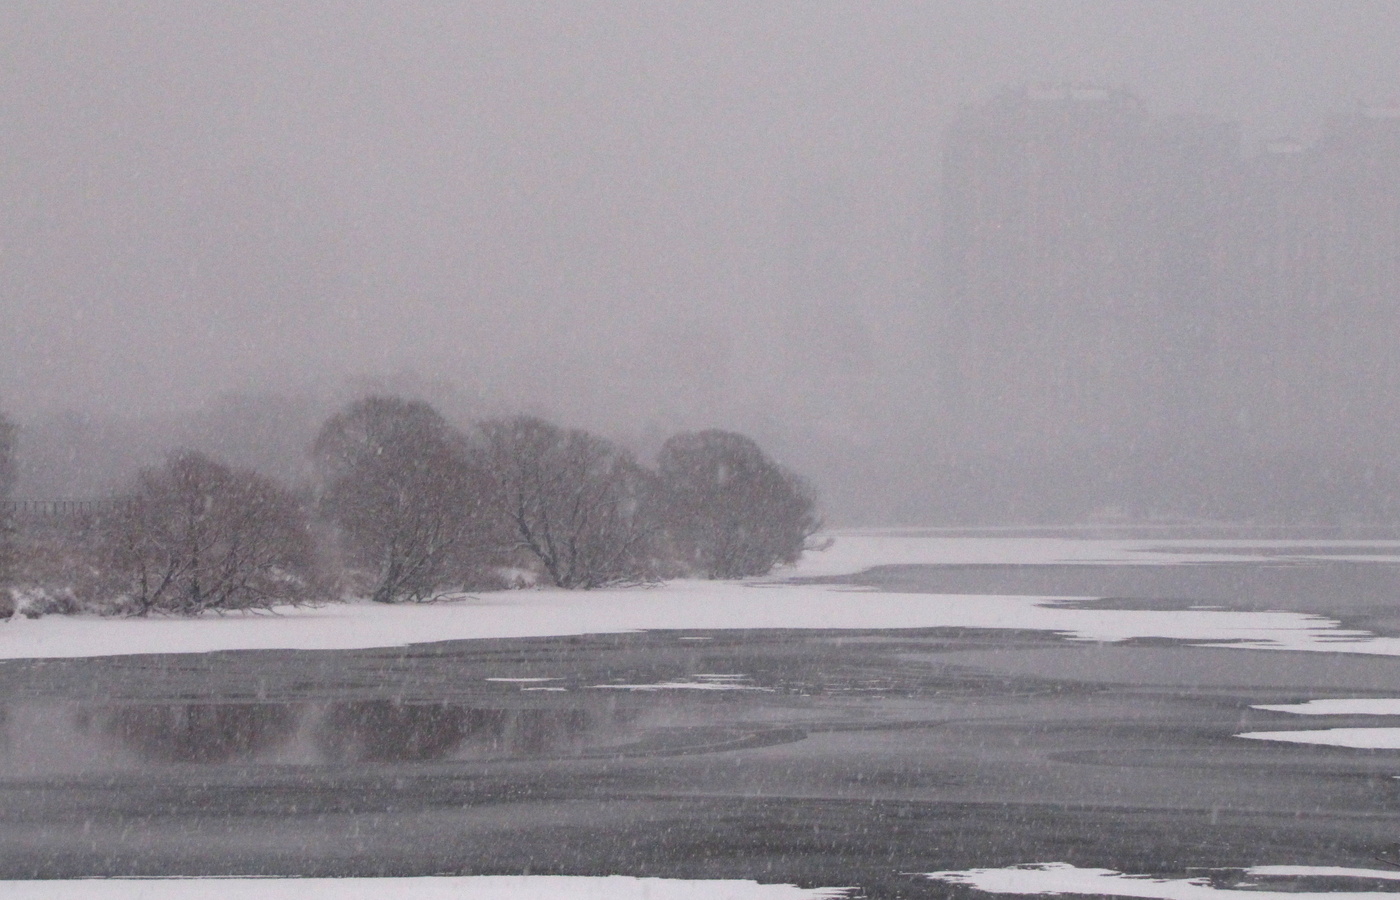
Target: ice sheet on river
(1349, 706)
(1357, 738)
(856, 551)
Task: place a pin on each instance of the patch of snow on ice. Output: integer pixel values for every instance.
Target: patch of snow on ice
(1062, 878)
(702, 682)
(521, 680)
(1325, 872)
(1357, 738)
(1341, 707)
(482, 887)
(684, 686)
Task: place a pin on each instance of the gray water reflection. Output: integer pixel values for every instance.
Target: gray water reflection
(42, 739)
(385, 731)
(193, 732)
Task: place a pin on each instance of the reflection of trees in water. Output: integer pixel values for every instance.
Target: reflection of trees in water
(389, 731)
(541, 730)
(359, 731)
(200, 732)
(384, 730)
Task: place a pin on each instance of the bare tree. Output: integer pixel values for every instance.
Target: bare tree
(196, 535)
(573, 501)
(405, 491)
(729, 511)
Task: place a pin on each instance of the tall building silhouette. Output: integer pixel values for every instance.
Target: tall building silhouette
(1039, 193)
(1124, 290)
(1311, 307)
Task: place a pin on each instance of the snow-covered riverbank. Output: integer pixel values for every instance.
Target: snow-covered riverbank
(708, 605)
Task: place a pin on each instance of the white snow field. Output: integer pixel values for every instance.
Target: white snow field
(1062, 878)
(1357, 738)
(1357, 706)
(504, 887)
(713, 605)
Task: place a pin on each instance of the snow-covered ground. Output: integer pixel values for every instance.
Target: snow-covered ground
(1062, 878)
(708, 605)
(523, 887)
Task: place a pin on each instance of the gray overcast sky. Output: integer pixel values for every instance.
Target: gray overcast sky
(590, 205)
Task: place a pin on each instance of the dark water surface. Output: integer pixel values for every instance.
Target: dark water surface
(52, 738)
(835, 758)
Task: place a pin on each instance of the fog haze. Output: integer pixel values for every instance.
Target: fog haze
(635, 217)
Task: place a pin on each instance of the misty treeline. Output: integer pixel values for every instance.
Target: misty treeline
(406, 506)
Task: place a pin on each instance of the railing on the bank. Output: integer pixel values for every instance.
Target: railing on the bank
(63, 509)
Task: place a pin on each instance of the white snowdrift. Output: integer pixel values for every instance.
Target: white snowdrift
(524, 887)
(1358, 738)
(1062, 878)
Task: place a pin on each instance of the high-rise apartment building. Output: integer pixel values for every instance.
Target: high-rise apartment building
(1115, 280)
(1042, 276)
(1309, 307)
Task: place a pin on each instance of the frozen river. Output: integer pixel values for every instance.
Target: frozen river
(775, 751)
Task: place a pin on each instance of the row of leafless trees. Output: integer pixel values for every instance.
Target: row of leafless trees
(407, 507)
(423, 505)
